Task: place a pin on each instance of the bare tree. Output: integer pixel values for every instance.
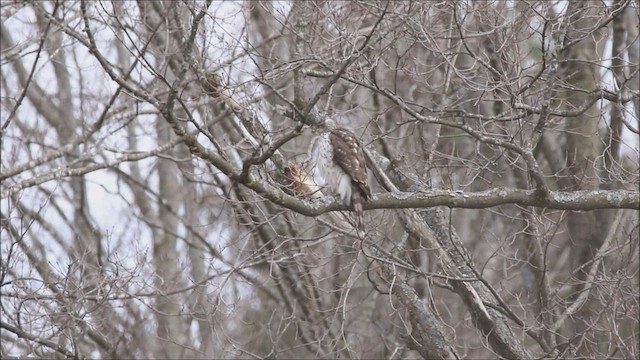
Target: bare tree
(157, 201)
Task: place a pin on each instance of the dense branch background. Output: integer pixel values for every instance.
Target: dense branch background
(156, 200)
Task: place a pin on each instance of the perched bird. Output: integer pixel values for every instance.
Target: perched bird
(299, 183)
(339, 158)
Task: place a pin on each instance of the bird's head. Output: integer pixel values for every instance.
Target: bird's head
(327, 125)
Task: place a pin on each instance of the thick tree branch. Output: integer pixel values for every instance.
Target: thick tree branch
(427, 334)
(558, 200)
(44, 342)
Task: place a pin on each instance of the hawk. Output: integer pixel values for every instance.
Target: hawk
(339, 158)
(299, 183)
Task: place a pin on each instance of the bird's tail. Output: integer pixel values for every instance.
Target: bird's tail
(357, 201)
